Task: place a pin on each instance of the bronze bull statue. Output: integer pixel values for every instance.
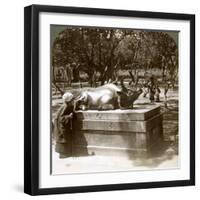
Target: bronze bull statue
(106, 97)
(100, 98)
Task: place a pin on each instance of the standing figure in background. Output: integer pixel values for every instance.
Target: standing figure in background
(157, 93)
(63, 126)
(152, 89)
(152, 93)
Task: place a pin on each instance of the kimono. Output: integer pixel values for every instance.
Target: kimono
(63, 130)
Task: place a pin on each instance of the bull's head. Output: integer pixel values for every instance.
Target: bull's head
(127, 96)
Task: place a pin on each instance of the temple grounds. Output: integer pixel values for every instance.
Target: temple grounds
(165, 156)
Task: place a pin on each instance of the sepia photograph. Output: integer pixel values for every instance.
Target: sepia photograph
(109, 99)
(114, 99)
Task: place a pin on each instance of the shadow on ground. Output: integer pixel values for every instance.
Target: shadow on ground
(167, 151)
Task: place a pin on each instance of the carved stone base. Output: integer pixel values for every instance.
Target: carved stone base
(117, 132)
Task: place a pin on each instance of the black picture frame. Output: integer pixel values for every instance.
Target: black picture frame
(31, 98)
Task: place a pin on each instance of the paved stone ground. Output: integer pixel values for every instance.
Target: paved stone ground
(166, 158)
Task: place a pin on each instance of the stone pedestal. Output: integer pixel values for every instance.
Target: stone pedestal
(117, 132)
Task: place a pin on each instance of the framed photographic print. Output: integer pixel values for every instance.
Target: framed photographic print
(109, 99)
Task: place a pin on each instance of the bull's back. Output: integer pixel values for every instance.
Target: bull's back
(97, 96)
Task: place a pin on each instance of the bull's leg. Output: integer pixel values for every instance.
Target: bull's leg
(106, 103)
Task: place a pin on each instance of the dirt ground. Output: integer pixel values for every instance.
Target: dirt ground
(91, 164)
(166, 158)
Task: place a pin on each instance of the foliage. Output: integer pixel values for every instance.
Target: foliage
(108, 50)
